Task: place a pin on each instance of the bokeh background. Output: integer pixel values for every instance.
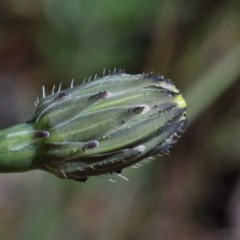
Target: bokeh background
(192, 194)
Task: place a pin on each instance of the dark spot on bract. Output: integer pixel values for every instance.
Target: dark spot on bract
(81, 179)
(154, 76)
(138, 109)
(102, 94)
(62, 95)
(41, 134)
(91, 144)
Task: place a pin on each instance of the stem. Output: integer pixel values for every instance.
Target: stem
(17, 148)
(213, 83)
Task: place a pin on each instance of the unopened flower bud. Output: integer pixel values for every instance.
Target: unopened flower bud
(103, 126)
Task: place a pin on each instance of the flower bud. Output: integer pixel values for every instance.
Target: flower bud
(106, 125)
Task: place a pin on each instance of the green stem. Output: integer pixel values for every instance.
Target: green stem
(17, 148)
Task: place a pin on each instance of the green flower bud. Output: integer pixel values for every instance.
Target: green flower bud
(102, 126)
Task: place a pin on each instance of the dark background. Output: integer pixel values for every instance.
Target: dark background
(192, 194)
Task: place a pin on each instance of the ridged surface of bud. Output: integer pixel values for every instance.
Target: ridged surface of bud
(97, 128)
(108, 124)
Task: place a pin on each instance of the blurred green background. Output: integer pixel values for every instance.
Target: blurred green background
(192, 194)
